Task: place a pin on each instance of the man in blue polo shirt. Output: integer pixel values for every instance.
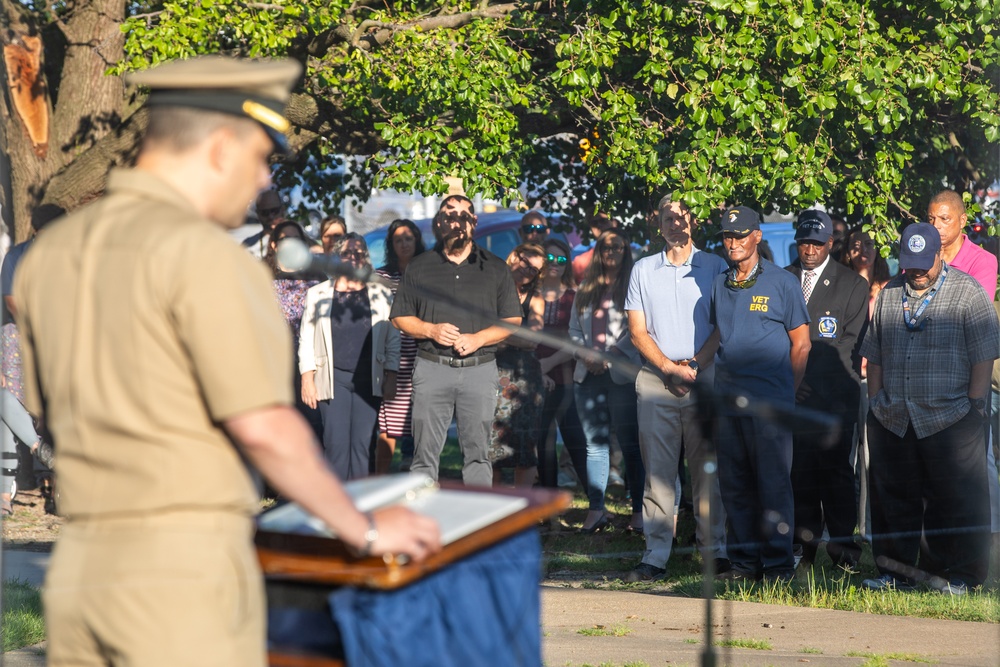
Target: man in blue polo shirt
(669, 307)
(762, 321)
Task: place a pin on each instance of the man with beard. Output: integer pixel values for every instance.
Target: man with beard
(669, 307)
(930, 351)
(452, 301)
(822, 476)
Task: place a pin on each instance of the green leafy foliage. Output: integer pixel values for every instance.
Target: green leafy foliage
(867, 107)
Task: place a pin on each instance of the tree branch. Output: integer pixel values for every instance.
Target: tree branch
(386, 31)
(963, 158)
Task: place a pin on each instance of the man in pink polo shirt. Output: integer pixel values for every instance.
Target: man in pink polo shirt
(947, 213)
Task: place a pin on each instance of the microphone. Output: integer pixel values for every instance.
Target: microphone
(294, 255)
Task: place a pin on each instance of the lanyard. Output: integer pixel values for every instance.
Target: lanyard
(911, 323)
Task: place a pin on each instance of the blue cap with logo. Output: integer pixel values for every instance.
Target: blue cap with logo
(918, 246)
(813, 225)
(740, 220)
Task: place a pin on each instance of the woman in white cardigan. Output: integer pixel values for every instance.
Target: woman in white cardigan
(347, 387)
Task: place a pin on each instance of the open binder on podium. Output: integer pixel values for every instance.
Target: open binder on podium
(295, 546)
(320, 596)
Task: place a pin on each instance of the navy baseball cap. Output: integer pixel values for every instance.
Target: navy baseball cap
(813, 225)
(918, 247)
(740, 220)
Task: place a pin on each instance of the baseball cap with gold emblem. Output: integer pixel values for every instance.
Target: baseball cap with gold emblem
(740, 220)
(256, 89)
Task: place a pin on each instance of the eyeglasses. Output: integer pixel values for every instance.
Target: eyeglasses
(533, 229)
(613, 247)
(269, 211)
(352, 254)
(557, 259)
(532, 270)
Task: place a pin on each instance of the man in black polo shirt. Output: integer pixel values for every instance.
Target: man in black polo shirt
(451, 300)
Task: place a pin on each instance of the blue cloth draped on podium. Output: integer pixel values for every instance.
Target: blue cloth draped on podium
(482, 610)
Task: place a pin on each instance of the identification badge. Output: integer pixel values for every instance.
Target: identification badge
(827, 327)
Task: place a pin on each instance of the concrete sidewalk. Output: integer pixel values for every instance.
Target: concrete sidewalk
(26, 566)
(671, 630)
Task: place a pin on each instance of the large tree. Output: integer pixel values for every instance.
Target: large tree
(868, 107)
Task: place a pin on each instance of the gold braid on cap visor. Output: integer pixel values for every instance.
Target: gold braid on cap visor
(265, 116)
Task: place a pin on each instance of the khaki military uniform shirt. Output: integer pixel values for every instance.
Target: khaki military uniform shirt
(143, 328)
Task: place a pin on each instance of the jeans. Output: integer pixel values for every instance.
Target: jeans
(16, 422)
(603, 406)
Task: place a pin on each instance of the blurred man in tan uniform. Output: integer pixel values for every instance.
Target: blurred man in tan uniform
(153, 344)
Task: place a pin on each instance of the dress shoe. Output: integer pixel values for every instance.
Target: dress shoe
(601, 524)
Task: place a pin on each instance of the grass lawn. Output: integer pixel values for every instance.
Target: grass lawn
(602, 560)
(22, 616)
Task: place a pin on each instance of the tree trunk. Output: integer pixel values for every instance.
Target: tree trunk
(83, 104)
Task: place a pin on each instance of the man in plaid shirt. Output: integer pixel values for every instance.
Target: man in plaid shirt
(930, 351)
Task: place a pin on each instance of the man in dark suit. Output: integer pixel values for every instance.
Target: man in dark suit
(822, 475)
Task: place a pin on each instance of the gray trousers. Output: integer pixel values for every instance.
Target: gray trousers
(665, 422)
(469, 395)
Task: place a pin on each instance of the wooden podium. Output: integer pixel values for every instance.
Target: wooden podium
(325, 562)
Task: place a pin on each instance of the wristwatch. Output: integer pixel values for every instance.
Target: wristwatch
(371, 535)
(979, 404)
(694, 364)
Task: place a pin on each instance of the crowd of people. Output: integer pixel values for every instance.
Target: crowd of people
(153, 349)
(462, 343)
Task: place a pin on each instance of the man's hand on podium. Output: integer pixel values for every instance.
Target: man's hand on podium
(402, 532)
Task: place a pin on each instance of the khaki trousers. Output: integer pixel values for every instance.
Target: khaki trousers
(172, 589)
(665, 423)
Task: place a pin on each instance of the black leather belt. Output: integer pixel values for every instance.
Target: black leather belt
(456, 362)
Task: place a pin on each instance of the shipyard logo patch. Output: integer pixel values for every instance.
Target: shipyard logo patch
(827, 327)
(917, 243)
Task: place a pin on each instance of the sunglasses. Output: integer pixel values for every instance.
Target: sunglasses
(459, 217)
(270, 211)
(533, 229)
(614, 247)
(744, 284)
(557, 259)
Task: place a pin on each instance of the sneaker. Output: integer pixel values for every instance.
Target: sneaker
(797, 553)
(645, 572)
(954, 587)
(887, 582)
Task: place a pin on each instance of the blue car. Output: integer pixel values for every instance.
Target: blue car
(496, 232)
